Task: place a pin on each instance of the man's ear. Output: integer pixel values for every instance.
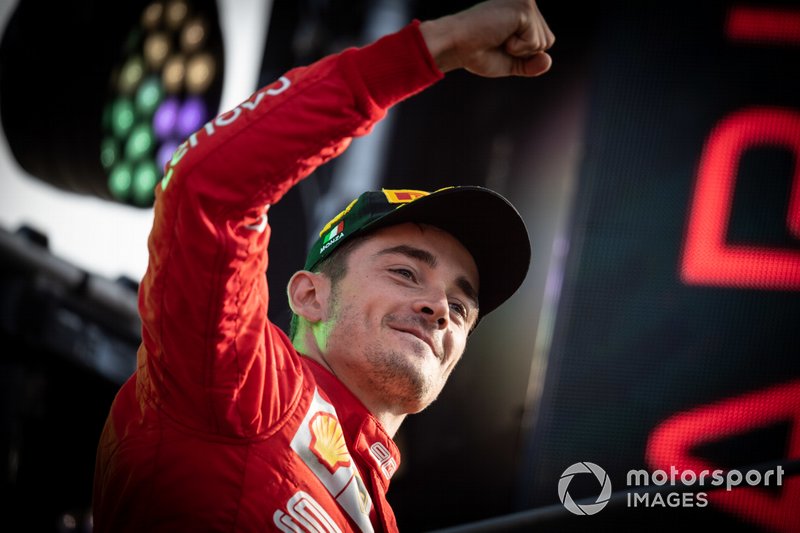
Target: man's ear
(308, 294)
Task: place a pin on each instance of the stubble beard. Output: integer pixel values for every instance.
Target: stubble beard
(393, 373)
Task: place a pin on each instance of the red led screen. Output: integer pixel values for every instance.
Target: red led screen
(676, 339)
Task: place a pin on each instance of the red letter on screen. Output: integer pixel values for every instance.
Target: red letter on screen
(707, 258)
(673, 442)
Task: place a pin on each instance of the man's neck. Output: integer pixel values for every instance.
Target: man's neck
(390, 420)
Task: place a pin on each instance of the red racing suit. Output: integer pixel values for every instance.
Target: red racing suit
(224, 426)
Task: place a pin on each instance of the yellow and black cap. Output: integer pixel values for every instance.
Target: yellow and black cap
(485, 223)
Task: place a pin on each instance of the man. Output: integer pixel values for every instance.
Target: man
(227, 424)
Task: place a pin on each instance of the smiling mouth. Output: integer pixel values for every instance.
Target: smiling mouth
(417, 336)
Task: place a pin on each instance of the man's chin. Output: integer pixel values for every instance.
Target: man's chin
(420, 394)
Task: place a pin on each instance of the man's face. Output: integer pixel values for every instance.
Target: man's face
(398, 321)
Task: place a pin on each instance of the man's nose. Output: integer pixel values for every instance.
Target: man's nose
(435, 308)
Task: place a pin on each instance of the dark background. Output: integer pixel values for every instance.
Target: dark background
(604, 343)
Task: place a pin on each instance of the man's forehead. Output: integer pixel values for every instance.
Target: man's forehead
(424, 236)
(426, 243)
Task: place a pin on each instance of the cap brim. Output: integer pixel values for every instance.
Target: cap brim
(486, 224)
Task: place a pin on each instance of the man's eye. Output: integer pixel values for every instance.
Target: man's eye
(459, 309)
(404, 272)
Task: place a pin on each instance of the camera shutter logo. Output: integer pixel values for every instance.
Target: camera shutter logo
(584, 468)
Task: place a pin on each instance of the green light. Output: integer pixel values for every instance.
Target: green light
(140, 141)
(122, 117)
(109, 152)
(149, 96)
(119, 181)
(145, 177)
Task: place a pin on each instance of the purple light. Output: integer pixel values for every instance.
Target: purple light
(165, 151)
(165, 118)
(191, 116)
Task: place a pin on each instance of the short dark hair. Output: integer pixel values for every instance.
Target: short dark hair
(334, 267)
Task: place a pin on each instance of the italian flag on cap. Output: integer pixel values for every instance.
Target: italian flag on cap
(334, 232)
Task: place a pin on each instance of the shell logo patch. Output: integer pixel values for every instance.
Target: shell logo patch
(327, 441)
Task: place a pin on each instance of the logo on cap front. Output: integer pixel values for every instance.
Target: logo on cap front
(332, 236)
(403, 196)
(334, 232)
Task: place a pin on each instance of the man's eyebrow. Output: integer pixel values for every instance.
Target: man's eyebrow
(430, 260)
(414, 253)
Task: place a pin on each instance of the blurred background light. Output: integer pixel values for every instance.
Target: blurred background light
(61, 194)
(119, 181)
(174, 73)
(122, 117)
(151, 17)
(175, 13)
(193, 35)
(194, 86)
(148, 96)
(131, 74)
(200, 72)
(191, 116)
(156, 50)
(165, 117)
